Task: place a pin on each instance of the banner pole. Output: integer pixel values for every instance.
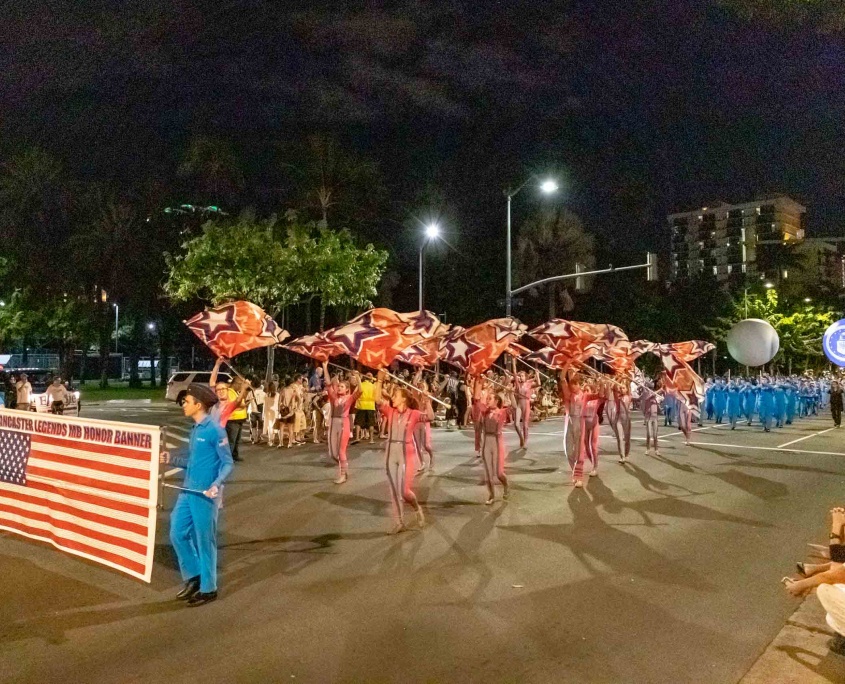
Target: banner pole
(162, 446)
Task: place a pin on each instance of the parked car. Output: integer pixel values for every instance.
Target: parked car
(40, 379)
(177, 386)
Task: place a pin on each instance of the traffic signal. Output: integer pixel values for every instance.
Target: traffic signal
(651, 269)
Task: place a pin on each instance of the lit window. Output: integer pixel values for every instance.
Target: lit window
(715, 270)
(744, 268)
(730, 268)
(785, 274)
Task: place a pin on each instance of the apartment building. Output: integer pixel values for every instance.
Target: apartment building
(732, 241)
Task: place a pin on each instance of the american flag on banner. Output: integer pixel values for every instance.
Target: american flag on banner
(376, 337)
(94, 497)
(236, 327)
(475, 349)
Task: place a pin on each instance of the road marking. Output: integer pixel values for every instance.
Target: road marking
(801, 439)
(674, 434)
(759, 448)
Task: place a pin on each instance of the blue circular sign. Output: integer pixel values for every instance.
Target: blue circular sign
(833, 343)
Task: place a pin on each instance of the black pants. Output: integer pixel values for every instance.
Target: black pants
(837, 414)
(233, 431)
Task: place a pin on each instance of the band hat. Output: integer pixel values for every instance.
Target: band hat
(202, 393)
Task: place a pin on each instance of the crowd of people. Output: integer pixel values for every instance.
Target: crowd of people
(399, 408)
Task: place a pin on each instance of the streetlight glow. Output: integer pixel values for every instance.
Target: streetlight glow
(151, 326)
(432, 230)
(769, 286)
(549, 186)
(807, 300)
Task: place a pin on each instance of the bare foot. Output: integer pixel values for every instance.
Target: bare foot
(420, 518)
(343, 478)
(396, 529)
(837, 522)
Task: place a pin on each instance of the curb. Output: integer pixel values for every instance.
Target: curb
(799, 653)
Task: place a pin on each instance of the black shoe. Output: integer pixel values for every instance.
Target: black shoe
(192, 586)
(201, 598)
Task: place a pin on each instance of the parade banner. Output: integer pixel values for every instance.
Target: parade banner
(88, 487)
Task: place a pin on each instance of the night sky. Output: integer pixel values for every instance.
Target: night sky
(641, 108)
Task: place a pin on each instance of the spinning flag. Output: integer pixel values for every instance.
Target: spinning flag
(236, 327)
(622, 357)
(516, 349)
(679, 377)
(476, 349)
(376, 337)
(550, 357)
(315, 346)
(576, 341)
(422, 354)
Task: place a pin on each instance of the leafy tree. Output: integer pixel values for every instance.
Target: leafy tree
(237, 260)
(274, 266)
(550, 243)
(800, 327)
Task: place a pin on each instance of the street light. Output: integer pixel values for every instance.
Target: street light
(432, 232)
(769, 286)
(807, 300)
(151, 326)
(547, 187)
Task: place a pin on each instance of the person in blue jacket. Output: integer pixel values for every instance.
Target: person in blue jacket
(734, 404)
(193, 522)
(767, 404)
(791, 402)
(670, 407)
(708, 398)
(720, 399)
(780, 405)
(749, 401)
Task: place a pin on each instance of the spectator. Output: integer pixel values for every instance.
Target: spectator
(316, 383)
(23, 392)
(365, 416)
(271, 412)
(57, 395)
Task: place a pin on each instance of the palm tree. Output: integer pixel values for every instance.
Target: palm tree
(551, 242)
(213, 165)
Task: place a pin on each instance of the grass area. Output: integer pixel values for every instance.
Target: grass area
(91, 391)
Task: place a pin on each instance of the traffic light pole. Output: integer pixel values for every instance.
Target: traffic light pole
(650, 265)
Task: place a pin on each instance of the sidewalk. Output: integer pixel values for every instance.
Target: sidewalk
(799, 653)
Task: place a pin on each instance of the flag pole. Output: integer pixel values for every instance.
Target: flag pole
(390, 375)
(533, 368)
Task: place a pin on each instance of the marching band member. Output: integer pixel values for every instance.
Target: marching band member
(341, 402)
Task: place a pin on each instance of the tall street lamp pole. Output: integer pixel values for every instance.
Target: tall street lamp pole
(116, 328)
(431, 232)
(548, 187)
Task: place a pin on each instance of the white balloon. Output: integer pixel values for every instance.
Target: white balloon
(753, 342)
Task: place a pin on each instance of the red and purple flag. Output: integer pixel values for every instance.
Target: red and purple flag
(376, 337)
(315, 346)
(235, 328)
(475, 349)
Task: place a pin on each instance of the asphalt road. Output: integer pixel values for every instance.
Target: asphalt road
(663, 570)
